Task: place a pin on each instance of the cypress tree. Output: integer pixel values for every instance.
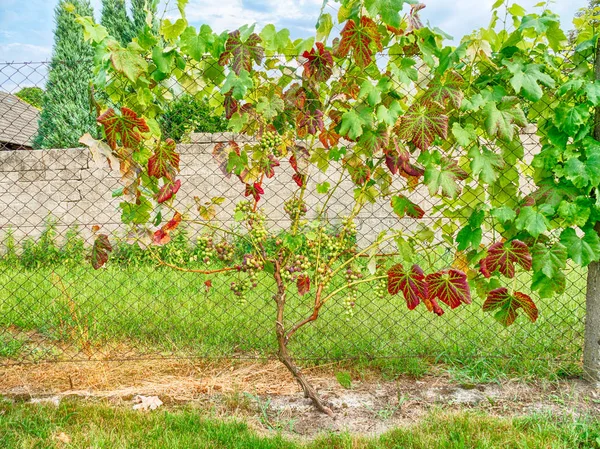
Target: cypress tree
(116, 21)
(139, 14)
(66, 112)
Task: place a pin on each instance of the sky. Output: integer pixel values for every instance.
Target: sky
(26, 26)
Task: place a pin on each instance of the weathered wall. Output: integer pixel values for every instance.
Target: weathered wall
(67, 185)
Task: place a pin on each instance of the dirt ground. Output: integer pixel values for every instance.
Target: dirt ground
(267, 396)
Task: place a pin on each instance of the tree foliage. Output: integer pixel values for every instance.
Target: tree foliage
(395, 108)
(32, 95)
(66, 108)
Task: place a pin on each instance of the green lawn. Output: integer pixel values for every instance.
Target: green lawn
(79, 425)
(143, 310)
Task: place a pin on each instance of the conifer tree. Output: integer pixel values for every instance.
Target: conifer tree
(138, 12)
(66, 112)
(116, 21)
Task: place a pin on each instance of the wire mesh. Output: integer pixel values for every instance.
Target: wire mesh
(55, 307)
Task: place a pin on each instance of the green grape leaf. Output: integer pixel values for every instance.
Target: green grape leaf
(269, 108)
(238, 85)
(353, 122)
(422, 123)
(444, 177)
(196, 45)
(501, 118)
(507, 305)
(129, 63)
(324, 26)
(583, 250)
(171, 31)
(464, 136)
(275, 41)
(404, 69)
(402, 206)
(389, 10)
(549, 260)
(136, 213)
(532, 221)
(527, 78)
(571, 119)
(485, 164)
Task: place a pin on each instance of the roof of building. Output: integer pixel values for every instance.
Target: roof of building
(18, 121)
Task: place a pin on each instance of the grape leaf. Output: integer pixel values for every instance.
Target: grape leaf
(389, 10)
(507, 305)
(449, 286)
(241, 54)
(528, 77)
(550, 261)
(485, 164)
(165, 160)
(319, 63)
(353, 122)
(547, 287)
(269, 108)
(445, 177)
(403, 206)
(275, 41)
(532, 221)
(125, 126)
(501, 118)
(411, 283)
(422, 123)
(162, 236)
(172, 31)
(167, 191)
(582, 250)
(237, 85)
(310, 122)
(100, 251)
(447, 90)
(195, 45)
(358, 37)
(255, 190)
(129, 63)
(503, 257)
(303, 284)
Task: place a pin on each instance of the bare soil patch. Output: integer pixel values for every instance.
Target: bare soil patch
(267, 396)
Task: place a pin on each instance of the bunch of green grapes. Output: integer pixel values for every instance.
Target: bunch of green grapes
(351, 276)
(295, 208)
(271, 142)
(299, 264)
(204, 250)
(349, 304)
(251, 265)
(240, 289)
(380, 288)
(255, 220)
(224, 251)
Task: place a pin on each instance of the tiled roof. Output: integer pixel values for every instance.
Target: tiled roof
(18, 120)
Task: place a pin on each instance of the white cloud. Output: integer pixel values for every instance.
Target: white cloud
(18, 51)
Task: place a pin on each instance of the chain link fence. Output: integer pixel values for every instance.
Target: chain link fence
(55, 307)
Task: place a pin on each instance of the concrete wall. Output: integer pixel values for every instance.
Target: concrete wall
(67, 185)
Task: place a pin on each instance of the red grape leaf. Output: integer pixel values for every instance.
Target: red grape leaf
(165, 160)
(503, 257)
(299, 179)
(255, 190)
(231, 105)
(309, 122)
(125, 126)
(242, 54)
(506, 305)
(359, 173)
(450, 89)
(329, 138)
(303, 284)
(449, 286)
(403, 206)
(100, 251)
(411, 283)
(422, 123)
(268, 165)
(167, 191)
(319, 63)
(358, 38)
(162, 236)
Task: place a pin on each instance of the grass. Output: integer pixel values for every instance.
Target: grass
(141, 310)
(100, 426)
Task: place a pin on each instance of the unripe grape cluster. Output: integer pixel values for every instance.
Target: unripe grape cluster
(351, 295)
(204, 248)
(295, 208)
(251, 265)
(240, 289)
(224, 251)
(255, 220)
(299, 264)
(380, 288)
(271, 141)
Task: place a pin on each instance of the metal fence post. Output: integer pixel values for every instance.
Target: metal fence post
(591, 351)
